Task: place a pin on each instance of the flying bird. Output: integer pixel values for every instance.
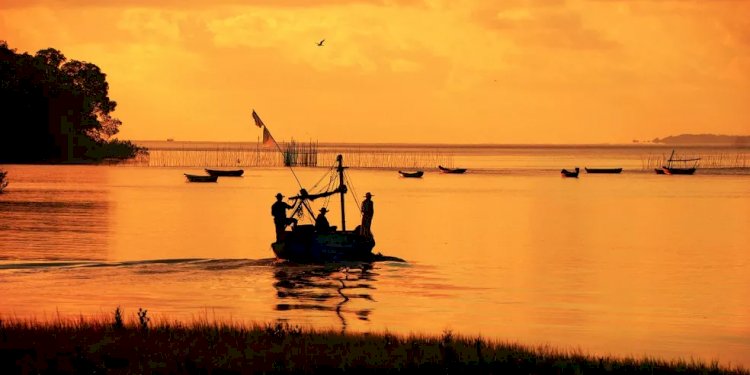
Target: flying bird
(320, 44)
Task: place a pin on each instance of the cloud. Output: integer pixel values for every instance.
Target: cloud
(552, 26)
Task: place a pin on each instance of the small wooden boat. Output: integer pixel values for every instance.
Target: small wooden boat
(603, 170)
(416, 174)
(567, 173)
(669, 169)
(200, 178)
(225, 173)
(451, 170)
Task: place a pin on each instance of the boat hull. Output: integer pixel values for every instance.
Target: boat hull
(199, 178)
(679, 170)
(567, 173)
(416, 174)
(683, 171)
(603, 170)
(304, 245)
(451, 170)
(222, 173)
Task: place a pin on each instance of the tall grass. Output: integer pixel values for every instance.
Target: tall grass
(300, 154)
(202, 346)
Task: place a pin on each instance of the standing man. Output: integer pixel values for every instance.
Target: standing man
(278, 210)
(368, 209)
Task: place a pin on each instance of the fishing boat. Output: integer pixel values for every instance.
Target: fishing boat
(200, 178)
(225, 173)
(303, 244)
(451, 170)
(416, 174)
(567, 173)
(603, 170)
(683, 170)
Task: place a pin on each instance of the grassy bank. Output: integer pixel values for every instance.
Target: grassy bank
(140, 346)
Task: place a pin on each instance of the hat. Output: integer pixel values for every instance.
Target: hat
(279, 195)
(369, 195)
(323, 210)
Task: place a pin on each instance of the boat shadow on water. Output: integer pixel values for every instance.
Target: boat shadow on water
(335, 288)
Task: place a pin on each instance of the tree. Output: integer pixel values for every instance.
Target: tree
(55, 109)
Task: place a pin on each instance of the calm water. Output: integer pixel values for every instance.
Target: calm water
(630, 264)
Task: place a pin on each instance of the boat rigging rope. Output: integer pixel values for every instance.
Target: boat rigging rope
(350, 185)
(324, 176)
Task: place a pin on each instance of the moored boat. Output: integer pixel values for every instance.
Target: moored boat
(416, 174)
(451, 170)
(669, 169)
(200, 178)
(567, 173)
(603, 170)
(225, 173)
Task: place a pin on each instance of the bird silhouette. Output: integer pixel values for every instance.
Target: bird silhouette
(320, 44)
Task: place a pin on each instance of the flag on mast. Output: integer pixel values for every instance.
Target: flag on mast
(258, 122)
(268, 140)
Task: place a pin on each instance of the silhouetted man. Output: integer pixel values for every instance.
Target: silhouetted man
(321, 222)
(368, 209)
(278, 210)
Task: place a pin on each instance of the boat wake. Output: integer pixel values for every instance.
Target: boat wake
(203, 263)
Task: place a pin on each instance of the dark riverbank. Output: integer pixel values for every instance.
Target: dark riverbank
(89, 346)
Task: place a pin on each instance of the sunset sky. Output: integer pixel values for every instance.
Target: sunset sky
(504, 71)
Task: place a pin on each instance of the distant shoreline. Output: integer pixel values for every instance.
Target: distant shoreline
(705, 139)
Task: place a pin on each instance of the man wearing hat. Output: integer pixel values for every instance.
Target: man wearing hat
(278, 211)
(368, 209)
(321, 222)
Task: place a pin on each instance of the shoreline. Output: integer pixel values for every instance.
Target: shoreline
(138, 345)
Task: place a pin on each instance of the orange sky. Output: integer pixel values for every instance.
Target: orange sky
(510, 71)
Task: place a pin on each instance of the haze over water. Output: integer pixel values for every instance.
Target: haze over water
(630, 264)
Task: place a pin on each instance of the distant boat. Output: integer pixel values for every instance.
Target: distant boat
(567, 173)
(225, 173)
(200, 178)
(451, 170)
(603, 170)
(669, 169)
(416, 174)
(170, 139)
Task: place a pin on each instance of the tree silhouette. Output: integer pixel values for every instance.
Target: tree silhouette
(55, 110)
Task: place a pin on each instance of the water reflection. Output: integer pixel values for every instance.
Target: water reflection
(332, 288)
(66, 220)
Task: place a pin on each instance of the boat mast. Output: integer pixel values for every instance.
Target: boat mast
(669, 162)
(342, 191)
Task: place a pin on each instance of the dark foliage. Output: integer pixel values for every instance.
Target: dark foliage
(55, 110)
